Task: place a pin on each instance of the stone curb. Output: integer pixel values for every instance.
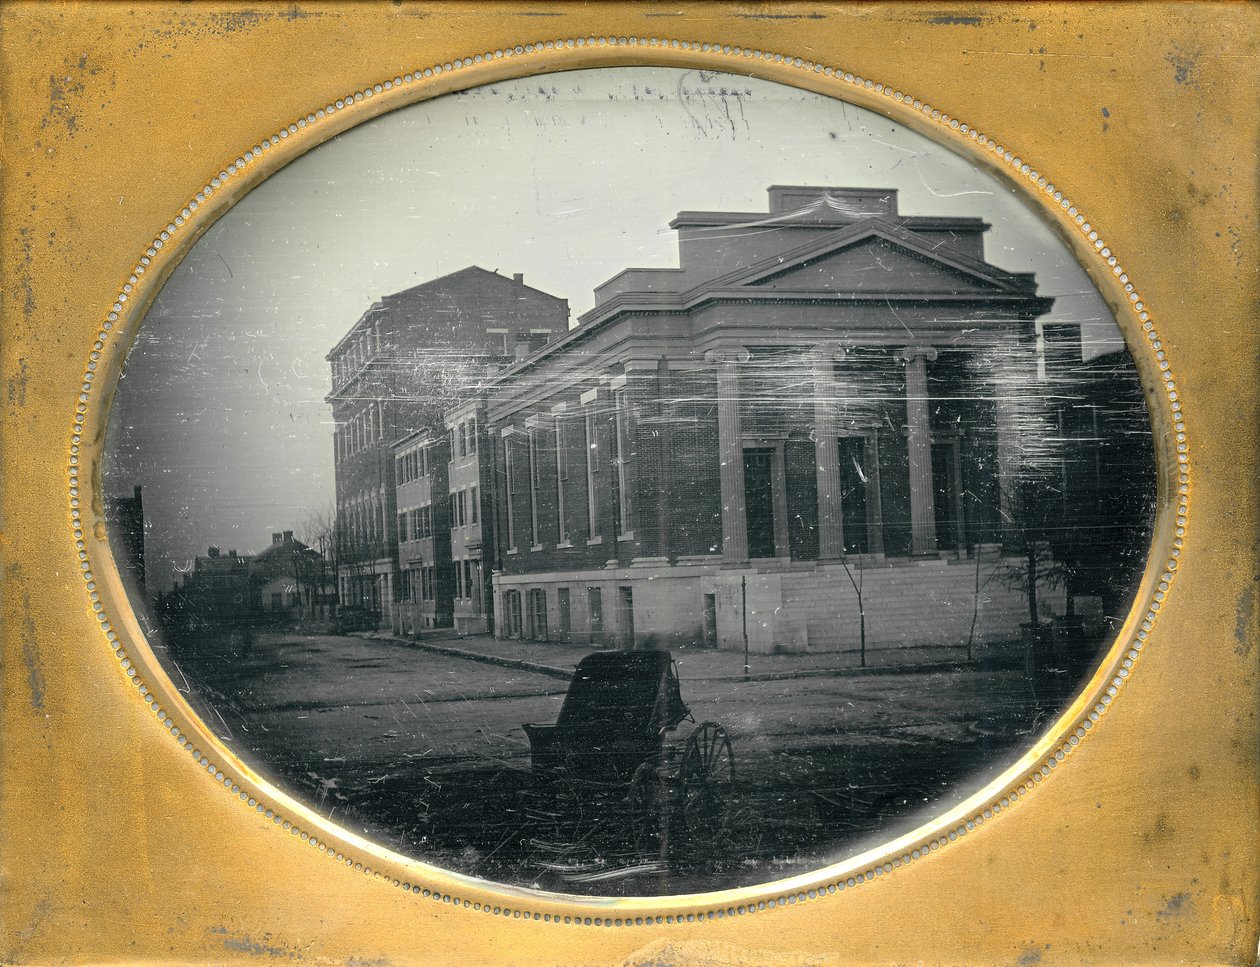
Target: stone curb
(779, 676)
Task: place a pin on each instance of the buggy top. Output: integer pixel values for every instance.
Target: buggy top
(624, 690)
(615, 715)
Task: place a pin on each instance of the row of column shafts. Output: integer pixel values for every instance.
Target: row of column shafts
(830, 526)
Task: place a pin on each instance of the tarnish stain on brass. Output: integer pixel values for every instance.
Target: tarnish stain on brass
(1183, 64)
(38, 916)
(1175, 906)
(16, 384)
(702, 953)
(1161, 831)
(229, 22)
(244, 944)
(30, 656)
(295, 12)
(1246, 613)
(954, 20)
(65, 88)
(24, 278)
(783, 16)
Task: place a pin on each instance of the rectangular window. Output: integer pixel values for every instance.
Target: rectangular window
(472, 435)
(625, 617)
(468, 585)
(563, 612)
(538, 614)
(454, 511)
(562, 474)
(463, 439)
(402, 527)
(459, 579)
(472, 506)
(510, 487)
(592, 465)
(622, 446)
(462, 502)
(857, 493)
(759, 494)
(533, 486)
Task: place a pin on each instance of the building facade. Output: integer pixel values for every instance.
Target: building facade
(816, 422)
(421, 462)
(396, 371)
(470, 510)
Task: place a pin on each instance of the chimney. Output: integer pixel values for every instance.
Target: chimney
(288, 537)
(212, 551)
(518, 277)
(276, 537)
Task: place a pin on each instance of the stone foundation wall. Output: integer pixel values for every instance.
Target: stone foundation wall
(912, 603)
(811, 608)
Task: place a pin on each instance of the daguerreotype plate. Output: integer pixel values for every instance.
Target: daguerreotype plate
(733, 481)
(595, 485)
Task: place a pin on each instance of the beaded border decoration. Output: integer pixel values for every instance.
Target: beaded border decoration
(222, 772)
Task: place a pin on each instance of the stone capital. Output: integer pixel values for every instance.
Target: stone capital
(719, 356)
(829, 353)
(640, 365)
(909, 353)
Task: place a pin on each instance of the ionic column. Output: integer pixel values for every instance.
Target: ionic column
(827, 456)
(919, 445)
(731, 453)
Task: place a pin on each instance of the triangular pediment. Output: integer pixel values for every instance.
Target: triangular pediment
(874, 265)
(875, 256)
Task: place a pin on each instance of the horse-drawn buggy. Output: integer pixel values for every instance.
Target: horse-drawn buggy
(607, 771)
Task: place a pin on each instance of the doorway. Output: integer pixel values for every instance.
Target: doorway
(625, 617)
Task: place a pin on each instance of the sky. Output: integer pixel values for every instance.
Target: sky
(568, 178)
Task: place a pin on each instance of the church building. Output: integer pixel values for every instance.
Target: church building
(822, 418)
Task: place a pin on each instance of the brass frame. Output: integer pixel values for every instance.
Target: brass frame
(1134, 839)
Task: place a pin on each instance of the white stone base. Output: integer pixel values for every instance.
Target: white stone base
(798, 607)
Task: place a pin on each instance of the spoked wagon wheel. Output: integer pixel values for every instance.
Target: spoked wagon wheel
(705, 777)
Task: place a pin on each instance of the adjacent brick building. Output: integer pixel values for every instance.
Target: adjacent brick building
(425, 598)
(823, 395)
(398, 369)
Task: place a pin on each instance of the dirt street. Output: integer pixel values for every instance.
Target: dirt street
(425, 752)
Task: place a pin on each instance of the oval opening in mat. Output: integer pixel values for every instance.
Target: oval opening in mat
(630, 482)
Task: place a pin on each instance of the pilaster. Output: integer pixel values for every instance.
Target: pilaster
(919, 446)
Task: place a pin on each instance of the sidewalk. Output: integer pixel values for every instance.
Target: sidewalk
(558, 660)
